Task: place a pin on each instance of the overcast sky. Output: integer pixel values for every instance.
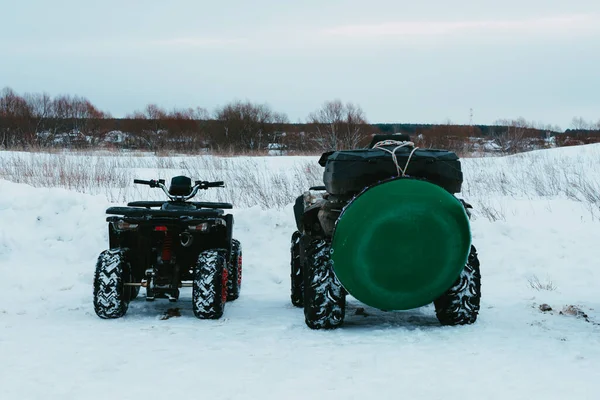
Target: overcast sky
(402, 61)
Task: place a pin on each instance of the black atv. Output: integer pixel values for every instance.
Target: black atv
(164, 246)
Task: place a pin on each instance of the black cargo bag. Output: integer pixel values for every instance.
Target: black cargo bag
(351, 171)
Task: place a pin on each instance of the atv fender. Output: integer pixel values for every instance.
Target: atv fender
(311, 221)
(299, 213)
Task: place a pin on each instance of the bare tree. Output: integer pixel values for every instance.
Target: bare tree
(74, 118)
(41, 109)
(580, 124)
(338, 126)
(152, 133)
(187, 128)
(15, 115)
(247, 125)
(449, 136)
(516, 135)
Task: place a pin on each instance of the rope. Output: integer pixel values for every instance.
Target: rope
(379, 145)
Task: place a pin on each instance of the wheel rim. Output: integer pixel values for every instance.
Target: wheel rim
(224, 277)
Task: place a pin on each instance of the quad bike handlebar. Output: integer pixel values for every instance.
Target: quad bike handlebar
(210, 184)
(152, 183)
(160, 183)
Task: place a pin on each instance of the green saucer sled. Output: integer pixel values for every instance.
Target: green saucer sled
(400, 244)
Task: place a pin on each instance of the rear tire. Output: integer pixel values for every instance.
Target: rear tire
(460, 304)
(324, 296)
(296, 277)
(234, 271)
(209, 290)
(111, 296)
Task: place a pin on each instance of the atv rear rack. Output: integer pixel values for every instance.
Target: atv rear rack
(199, 204)
(144, 212)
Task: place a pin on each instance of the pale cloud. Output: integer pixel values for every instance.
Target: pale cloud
(110, 45)
(415, 61)
(543, 25)
(202, 42)
(292, 38)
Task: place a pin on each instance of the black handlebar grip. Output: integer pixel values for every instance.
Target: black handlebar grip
(215, 184)
(142, 182)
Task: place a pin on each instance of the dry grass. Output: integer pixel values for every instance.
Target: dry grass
(546, 174)
(59, 170)
(274, 182)
(248, 181)
(536, 284)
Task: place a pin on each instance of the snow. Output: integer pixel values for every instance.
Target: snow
(53, 346)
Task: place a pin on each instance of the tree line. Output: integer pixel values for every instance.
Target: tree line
(43, 121)
(37, 120)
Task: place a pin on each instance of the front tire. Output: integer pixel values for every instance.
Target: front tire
(111, 296)
(460, 304)
(234, 270)
(209, 289)
(324, 296)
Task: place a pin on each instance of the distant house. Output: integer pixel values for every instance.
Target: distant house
(277, 149)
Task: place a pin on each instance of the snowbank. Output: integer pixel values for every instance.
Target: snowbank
(53, 346)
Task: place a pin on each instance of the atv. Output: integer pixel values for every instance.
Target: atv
(387, 229)
(166, 245)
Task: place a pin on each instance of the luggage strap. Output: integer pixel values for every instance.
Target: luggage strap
(379, 145)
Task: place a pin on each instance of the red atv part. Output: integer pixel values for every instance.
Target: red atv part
(224, 277)
(166, 250)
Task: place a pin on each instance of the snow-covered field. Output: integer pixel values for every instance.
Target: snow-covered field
(536, 228)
